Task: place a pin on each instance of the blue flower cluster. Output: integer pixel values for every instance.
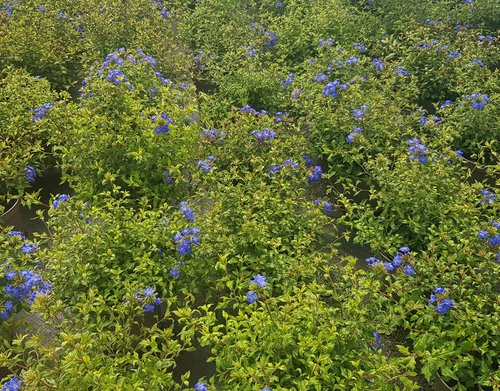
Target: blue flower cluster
(379, 64)
(30, 174)
(494, 239)
(21, 286)
(28, 248)
(359, 46)
(476, 61)
(168, 179)
(251, 110)
(326, 42)
(331, 89)
(206, 165)
(328, 206)
(185, 239)
(117, 77)
(401, 259)
(264, 135)
(165, 121)
(258, 281)
(315, 173)
(360, 113)
(400, 71)
(39, 112)
(59, 199)
(479, 100)
(417, 150)
(355, 133)
(17, 233)
(280, 115)
(188, 212)
(209, 135)
(378, 341)
(272, 38)
(486, 39)
(441, 301)
(148, 294)
(13, 384)
(289, 80)
(251, 52)
(287, 162)
(487, 197)
(8, 7)
(200, 386)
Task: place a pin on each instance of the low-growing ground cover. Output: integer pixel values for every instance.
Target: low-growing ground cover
(225, 165)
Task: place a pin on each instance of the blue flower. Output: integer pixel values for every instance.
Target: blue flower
(359, 46)
(352, 136)
(316, 174)
(16, 233)
(39, 112)
(30, 174)
(378, 341)
(174, 272)
(478, 105)
(308, 160)
(13, 384)
(260, 281)
(400, 71)
(289, 80)
(188, 212)
(320, 77)
(148, 292)
(331, 89)
(389, 266)
(116, 76)
(482, 234)
(164, 124)
(28, 248)
(404, 250)
(279, 4)
(272, 38)
(454, 54)
(252, 297)
(408, 270)
(379, 64)
(206, 165)
(372, 260)
(149, 307)
(264, 135)
(58, 200)
(168, 179)
(200, 386)
(397, 261)
(328, 208)
(476, 61)
(443, 307)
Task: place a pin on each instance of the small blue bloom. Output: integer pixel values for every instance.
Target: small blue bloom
(148, 292)
(188, 212)
(379, 64)
(408, 270)
(482, 234)
(252, 297)
(260, 281)
(28, 248)
(174, 272)
(404, 250)
(478, 105)
(389, 266)
(30, 174)
(200, 386)
(17, 233)
(58, 200)
(13, 384)
(400, 71)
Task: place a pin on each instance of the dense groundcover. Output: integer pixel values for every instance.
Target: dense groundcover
(258, 195)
